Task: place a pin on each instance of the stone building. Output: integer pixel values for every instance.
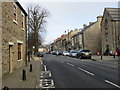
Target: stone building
(64, 42)
(69, 39)
(92, 36)
(13, 36)
(110, 27)
(77, 41)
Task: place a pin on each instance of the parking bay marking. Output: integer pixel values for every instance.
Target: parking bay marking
(41, 62)
(85, 71)
(112, 84)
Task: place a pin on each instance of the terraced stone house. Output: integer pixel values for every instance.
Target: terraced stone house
(13, 36)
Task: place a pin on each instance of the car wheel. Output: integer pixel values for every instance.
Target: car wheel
(80, 57)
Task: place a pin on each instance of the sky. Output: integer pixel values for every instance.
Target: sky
(69, 14)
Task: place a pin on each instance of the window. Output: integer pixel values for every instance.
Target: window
(19, 51)
(23, 20)
(15, 12)
(106, 34)
(106, 40)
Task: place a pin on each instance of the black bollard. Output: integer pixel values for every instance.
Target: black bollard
(30, 67)
(5, 88)
(28, 56)
(24, 74)
(101, 57)
(114, 56)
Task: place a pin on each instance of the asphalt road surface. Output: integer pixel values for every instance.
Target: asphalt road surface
(70, 72)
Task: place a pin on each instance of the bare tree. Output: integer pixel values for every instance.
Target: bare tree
(37, 17)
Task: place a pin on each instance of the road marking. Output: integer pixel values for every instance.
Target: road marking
(42, 62)
(85, 71)
(70, 64)
(45, 67)
(112, 84)
(62, 61)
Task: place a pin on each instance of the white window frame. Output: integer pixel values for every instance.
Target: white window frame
(20, 42)
(23, 20)
(15, 21)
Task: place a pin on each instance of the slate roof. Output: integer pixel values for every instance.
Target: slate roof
(84, 29)
(114, 13)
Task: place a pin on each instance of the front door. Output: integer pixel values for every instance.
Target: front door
(10, 58)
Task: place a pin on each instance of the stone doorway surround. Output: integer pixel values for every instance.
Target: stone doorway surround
(10, 57)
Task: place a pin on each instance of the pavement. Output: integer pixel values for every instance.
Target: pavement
(14, 79)
(95, 57)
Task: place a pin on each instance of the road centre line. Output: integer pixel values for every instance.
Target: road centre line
(70, 64)
(85, 71)
(62, 61)
(112, 84)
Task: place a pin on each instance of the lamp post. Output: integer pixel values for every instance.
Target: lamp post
(33, 49)
(68, 40)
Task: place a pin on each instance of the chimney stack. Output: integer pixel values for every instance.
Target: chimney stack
(99, 18)
(84, 25)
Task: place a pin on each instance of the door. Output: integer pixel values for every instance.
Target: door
(10, 58)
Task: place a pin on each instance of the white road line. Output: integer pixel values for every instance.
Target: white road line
(42, 62)
(45, 68)
(70, 64)
(62, 61)
(50, 74)
(112, 84)
(85, 71)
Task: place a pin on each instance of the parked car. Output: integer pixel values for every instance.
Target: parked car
(73, 53)
(53, 52)
(40, 54)
(60, 52)
(84, 54)
(66, 53)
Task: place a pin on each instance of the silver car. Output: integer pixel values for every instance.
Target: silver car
(73, 53)
(66, 53)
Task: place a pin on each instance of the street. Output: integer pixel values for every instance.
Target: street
(70, 72)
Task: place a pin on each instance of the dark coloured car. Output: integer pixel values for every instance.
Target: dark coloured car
(84, 54)
(40, 54)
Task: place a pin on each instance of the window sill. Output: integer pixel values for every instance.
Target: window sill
(19, 60)
(15, 21)
(23, 29)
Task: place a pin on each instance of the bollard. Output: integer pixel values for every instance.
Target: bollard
(28, 56)
(5, 88)
(114, 56)
(24, 74)
(101, 57)
(30, 67)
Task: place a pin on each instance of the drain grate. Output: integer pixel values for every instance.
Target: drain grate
(47, 83)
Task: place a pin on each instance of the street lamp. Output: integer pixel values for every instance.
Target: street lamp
(33, 49)
(68, 40)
